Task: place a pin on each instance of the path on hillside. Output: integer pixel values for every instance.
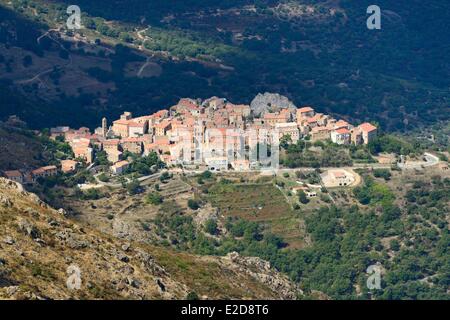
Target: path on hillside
(38, 76)
(145, 65)
(142, 180)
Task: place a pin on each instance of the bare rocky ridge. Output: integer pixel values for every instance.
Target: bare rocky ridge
(268, 102)
(261, 270)
(38, 244)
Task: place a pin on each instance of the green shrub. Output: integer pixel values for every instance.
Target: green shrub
(193, 204)
(211, 226)
(154, 198)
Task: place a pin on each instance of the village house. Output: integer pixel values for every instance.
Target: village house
(83, 131)
(319, 119)
(44, 172)
(111, 144)
(342, 124)
(84, 153)
(161, 145)
(133, 145)
(14, 175)
(273, 118)
(150, 147)
(190, 107)
(216, 163)
(58, 132)
(68, 166)
(114, 156)
(304, 113)
(216, 103)
(320, 134)
(120, 167)
(288, 129)
(369, 132)
(356, 136)
(341, 178)
(182, 152)
(341, 136)
(137, 129)
(160, 115)
(242, 110)
(120, 128)
(162, 128)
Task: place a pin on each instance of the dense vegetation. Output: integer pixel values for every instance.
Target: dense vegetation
(410, 244)
(397, 76)
(323, 155)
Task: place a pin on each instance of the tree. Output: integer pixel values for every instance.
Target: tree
(193, 204)
(90, 194)
(394, 244)
(192, 296)
(126, 37)
(211, 226)
(206, 175)
(133, 187)
(285, 141)
(154, 198)
(382, 173)
(164, 177)
(302, 197)
(103, 177)
(101, 158)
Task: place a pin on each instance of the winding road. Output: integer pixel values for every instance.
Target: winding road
(37, 76)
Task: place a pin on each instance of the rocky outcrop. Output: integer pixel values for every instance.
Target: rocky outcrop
(268, 102)
(261, 270)
(46, 255)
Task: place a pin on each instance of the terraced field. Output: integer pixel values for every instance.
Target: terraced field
(261, 203)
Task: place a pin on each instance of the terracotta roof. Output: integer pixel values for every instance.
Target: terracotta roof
(68, 162)
(274, 116)
(13, 174)
(143, 119)
(318, 129)
(342, 131)
(80, 150)
(160, 113)
(367, 127)
(150, 146)
(111, 142)
(124, 122)
(341, 123)
(132, 139)
(305, 109)
(136, 124)
(163, 124)
(339, 174)
(286, 125)
(44, 169)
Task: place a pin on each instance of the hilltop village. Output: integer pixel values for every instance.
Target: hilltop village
(188, 126)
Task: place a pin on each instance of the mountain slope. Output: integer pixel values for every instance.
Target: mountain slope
(38, 245)
(315, 52)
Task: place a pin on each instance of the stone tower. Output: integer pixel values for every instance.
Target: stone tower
(104, 127)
